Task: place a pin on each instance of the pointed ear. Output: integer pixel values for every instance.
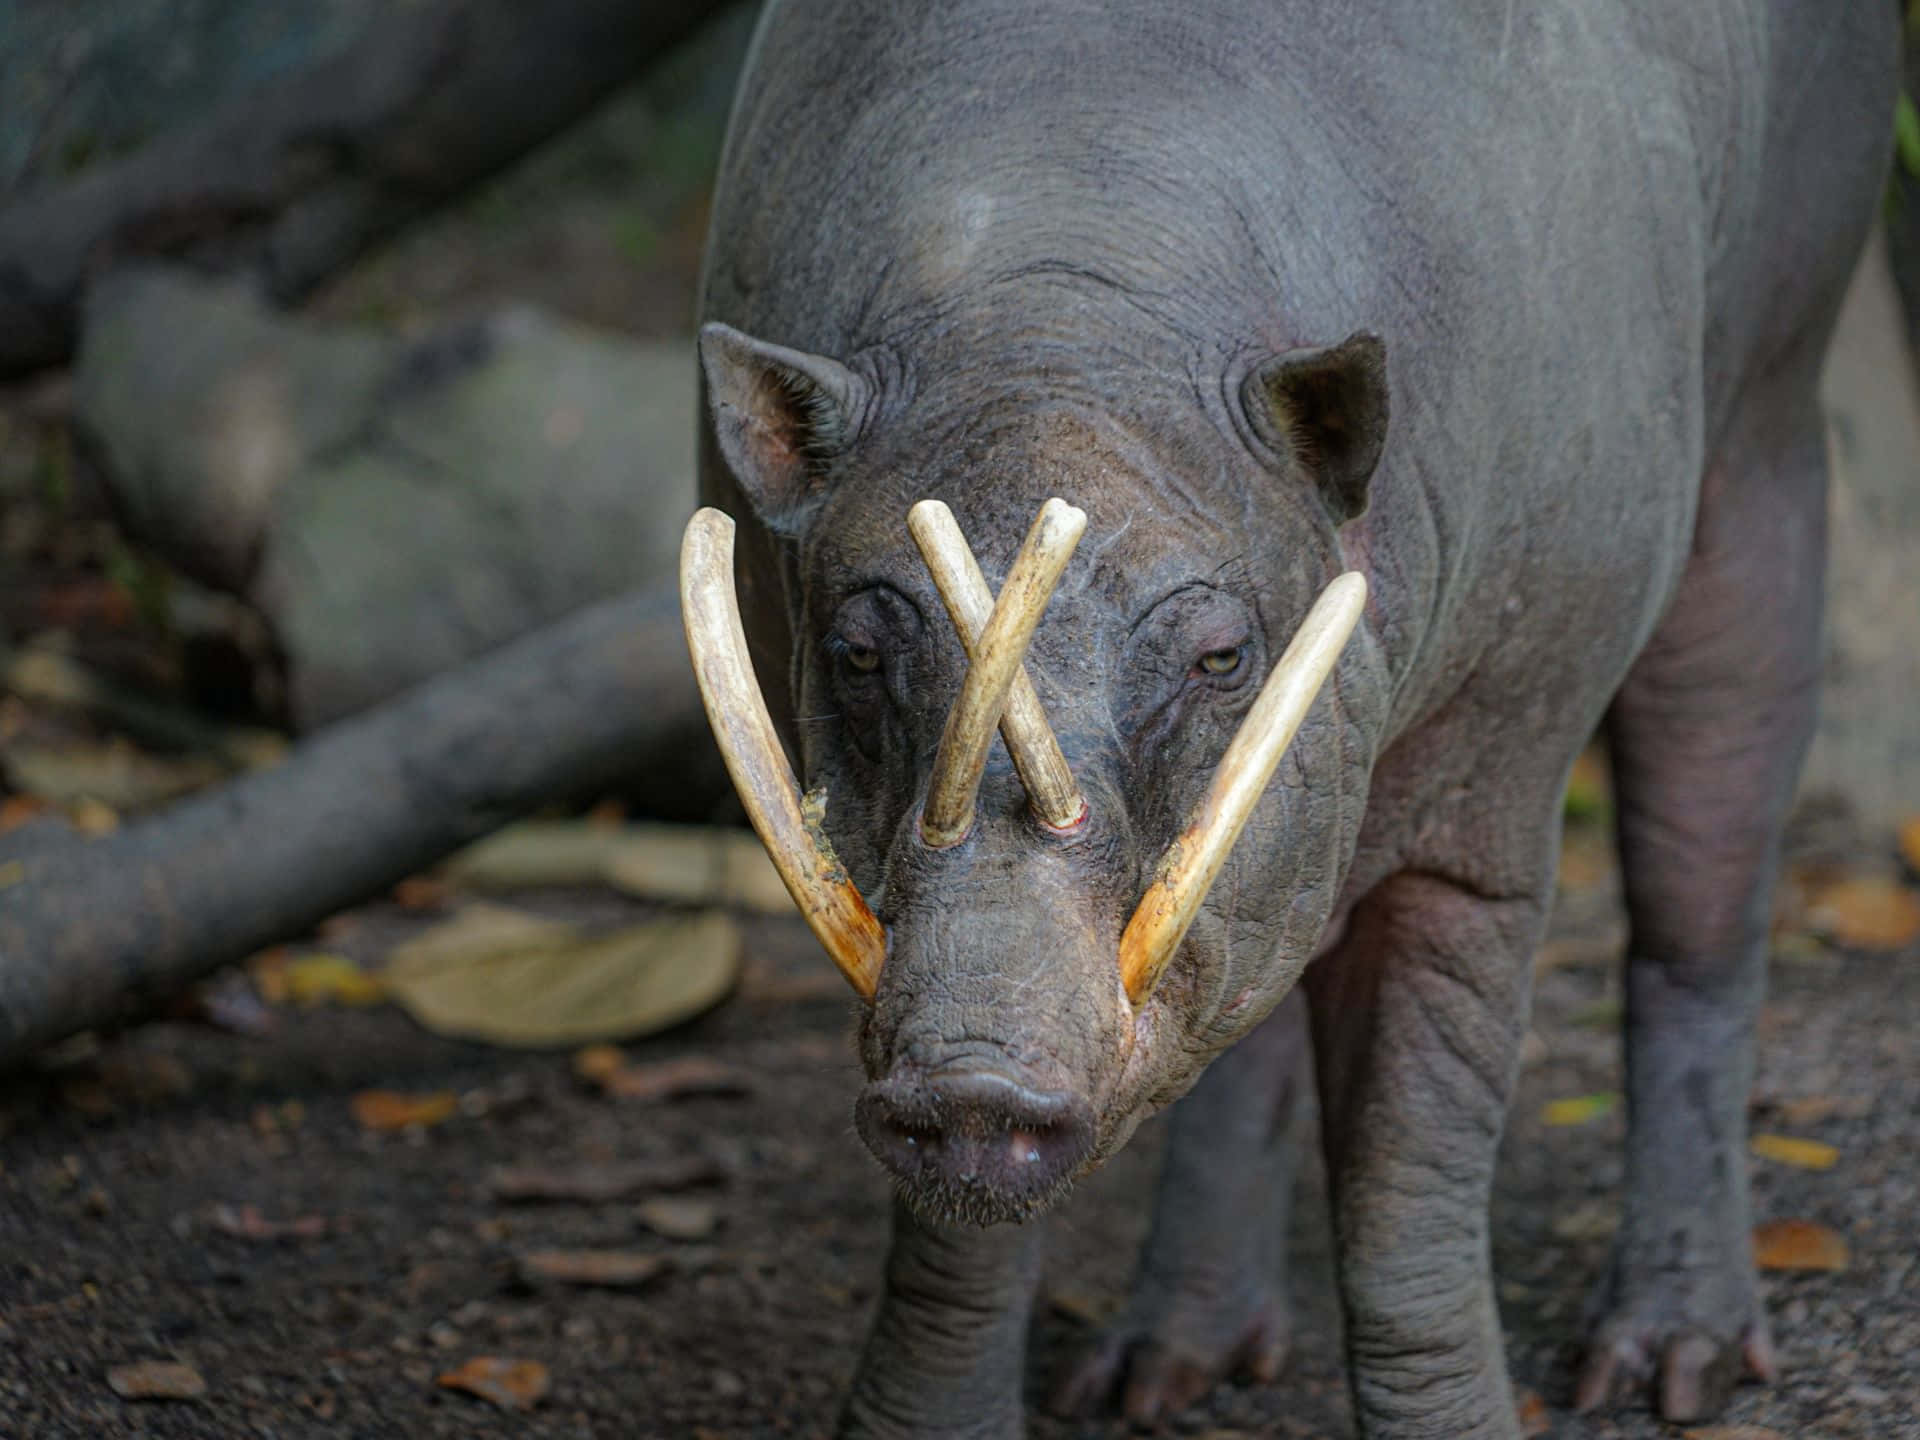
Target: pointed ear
(1325, 410)
(779, 416)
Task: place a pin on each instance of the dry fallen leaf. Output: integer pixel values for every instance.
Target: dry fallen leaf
(677, 864)
(1798, 1245)
(421, 892)
(115, 776)
(670, 1079)
(1801, 1154)
(389, 1110)
(1596, 1220)
(594, 1184)
(1812, 1109)
(17, 810)
(247, 1223)
(510, 1384)
(679, 1217)
(268, 972)
(1867, 913)
(606, 1269)
(1580, 1109)
(692, 865)
(1569, 953)
(93, 817)
(1091, 1311)
(1732, 1432)
(315, 980)
(1531, 1411)
(1910, 844)
(156, 1380)
(512, 979)
(595, 1062)
(1586, 861)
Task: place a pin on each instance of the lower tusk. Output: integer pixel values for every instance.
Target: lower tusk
(996, 660)
(1188, 869)
(710, 610)
(1056, 800)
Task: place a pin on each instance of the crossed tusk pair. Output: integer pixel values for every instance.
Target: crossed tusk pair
(996, 694)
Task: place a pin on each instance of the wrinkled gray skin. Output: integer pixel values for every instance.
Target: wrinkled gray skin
(1136, 254)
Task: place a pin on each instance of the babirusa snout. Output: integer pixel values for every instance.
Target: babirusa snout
(738, 714)
(1187, 870)
(1055, 798)
(997, 653)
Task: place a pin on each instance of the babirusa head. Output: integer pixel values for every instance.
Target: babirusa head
(997, 694)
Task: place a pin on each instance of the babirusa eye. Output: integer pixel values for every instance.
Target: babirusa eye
(861, 660)
(1222, 662)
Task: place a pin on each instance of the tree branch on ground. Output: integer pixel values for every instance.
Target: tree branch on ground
(95, 933)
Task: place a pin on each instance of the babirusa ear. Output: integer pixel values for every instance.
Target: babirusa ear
(779, 416)
(1325, 410)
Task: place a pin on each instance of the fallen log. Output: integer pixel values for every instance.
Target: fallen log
(297, 177)
(96, 932)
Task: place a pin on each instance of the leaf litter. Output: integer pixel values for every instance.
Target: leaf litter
(387, 1110)
(515, 979)
(510, 1384)
(1801, 1154)
(156, 1380)
(672, 864)
(1798, 1245)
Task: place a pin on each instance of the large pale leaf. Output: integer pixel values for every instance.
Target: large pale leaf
(115, 774)
(512, 979)
(674, 864)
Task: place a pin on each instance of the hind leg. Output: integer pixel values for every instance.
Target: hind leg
(1210, 1296)
(1707, 736)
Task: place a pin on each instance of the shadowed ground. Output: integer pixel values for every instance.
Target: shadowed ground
(109, 1171)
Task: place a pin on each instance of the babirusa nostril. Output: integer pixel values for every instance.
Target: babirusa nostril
(975, 1144)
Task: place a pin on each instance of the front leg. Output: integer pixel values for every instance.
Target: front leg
(948, 1349)
(1210, 1297)
(1417, 1021)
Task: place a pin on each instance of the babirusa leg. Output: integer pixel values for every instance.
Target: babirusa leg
(819, 885)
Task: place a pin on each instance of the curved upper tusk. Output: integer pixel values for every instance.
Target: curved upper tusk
(828, 899)
(1055, 798)
(1187, 871)
(996, 659)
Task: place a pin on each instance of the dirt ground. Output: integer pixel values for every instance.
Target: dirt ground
(113, 1166)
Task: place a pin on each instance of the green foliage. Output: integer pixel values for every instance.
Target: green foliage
(146, 582)
(53, 468)
(636, 236)
(1906, 134)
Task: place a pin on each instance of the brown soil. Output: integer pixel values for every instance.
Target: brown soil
(114, 1164)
